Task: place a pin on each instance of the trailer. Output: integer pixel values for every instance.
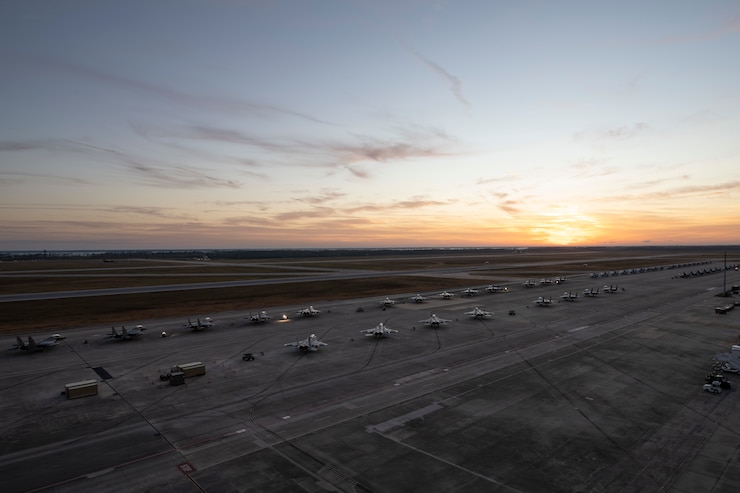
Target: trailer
(83, 388)
(193, 369)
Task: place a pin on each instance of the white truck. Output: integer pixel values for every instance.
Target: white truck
(711, 387)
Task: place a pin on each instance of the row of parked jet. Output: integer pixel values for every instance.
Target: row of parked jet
(546, 281)
(381, 330)
(711, 270)
(53, 340)
(311, 343)
(128, 334)
(640, 270)
(445, 295)
(573, 295)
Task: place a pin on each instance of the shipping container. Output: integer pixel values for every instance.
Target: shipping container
(83, 388)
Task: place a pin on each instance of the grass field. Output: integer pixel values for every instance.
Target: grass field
(59, 314)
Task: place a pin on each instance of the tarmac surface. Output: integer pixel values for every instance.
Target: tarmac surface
(599, 394)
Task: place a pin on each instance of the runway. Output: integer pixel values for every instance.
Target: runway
(285, 279)
(599, 394)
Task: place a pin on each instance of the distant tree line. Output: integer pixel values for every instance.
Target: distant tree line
(290, 253)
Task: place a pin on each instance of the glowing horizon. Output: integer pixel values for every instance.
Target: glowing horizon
(365, 124)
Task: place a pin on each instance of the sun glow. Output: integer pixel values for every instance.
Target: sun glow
(565, 226)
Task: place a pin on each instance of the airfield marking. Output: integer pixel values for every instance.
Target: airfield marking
(186, 468)
(449, 463)
(100, 473)
(399, 421)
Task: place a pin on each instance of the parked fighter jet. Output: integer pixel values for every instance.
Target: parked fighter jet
(380, 330)
(260, 317)
(418, 298)
(387, 302)
(570, 296)
(311, 343)
(445, 295)
(309, 311)
(34, 346)
(591, 292)
(611, 288)
(126, 335)
(470, 292)
(542, 301)
(199, 324)
(478, 313)
(434, 321)
(493, 288)
(529, 283)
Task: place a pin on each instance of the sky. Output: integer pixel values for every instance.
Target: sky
(202, 124)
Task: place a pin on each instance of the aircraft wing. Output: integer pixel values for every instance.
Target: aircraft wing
(46, 343)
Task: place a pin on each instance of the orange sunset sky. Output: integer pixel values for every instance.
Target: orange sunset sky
(368, 124)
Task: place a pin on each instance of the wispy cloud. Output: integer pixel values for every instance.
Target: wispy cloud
(373, 149)
(220, 134)
(310, 213)
(496, 179)
(148, 173)
(729, 26)
(204, 102)
(622, 132)
(679, 193)
(454, 82)
(510, 207)
(259, 204)
(247, 165)
(322, 206)
(592, 167)
(18, 177)
(50, 145)
(418, 202)
(357, 172)
(717, 188)
(409, 143)
(249, 221)
(177, 176)
(325, 196)
(158, 212)
(31, 145)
